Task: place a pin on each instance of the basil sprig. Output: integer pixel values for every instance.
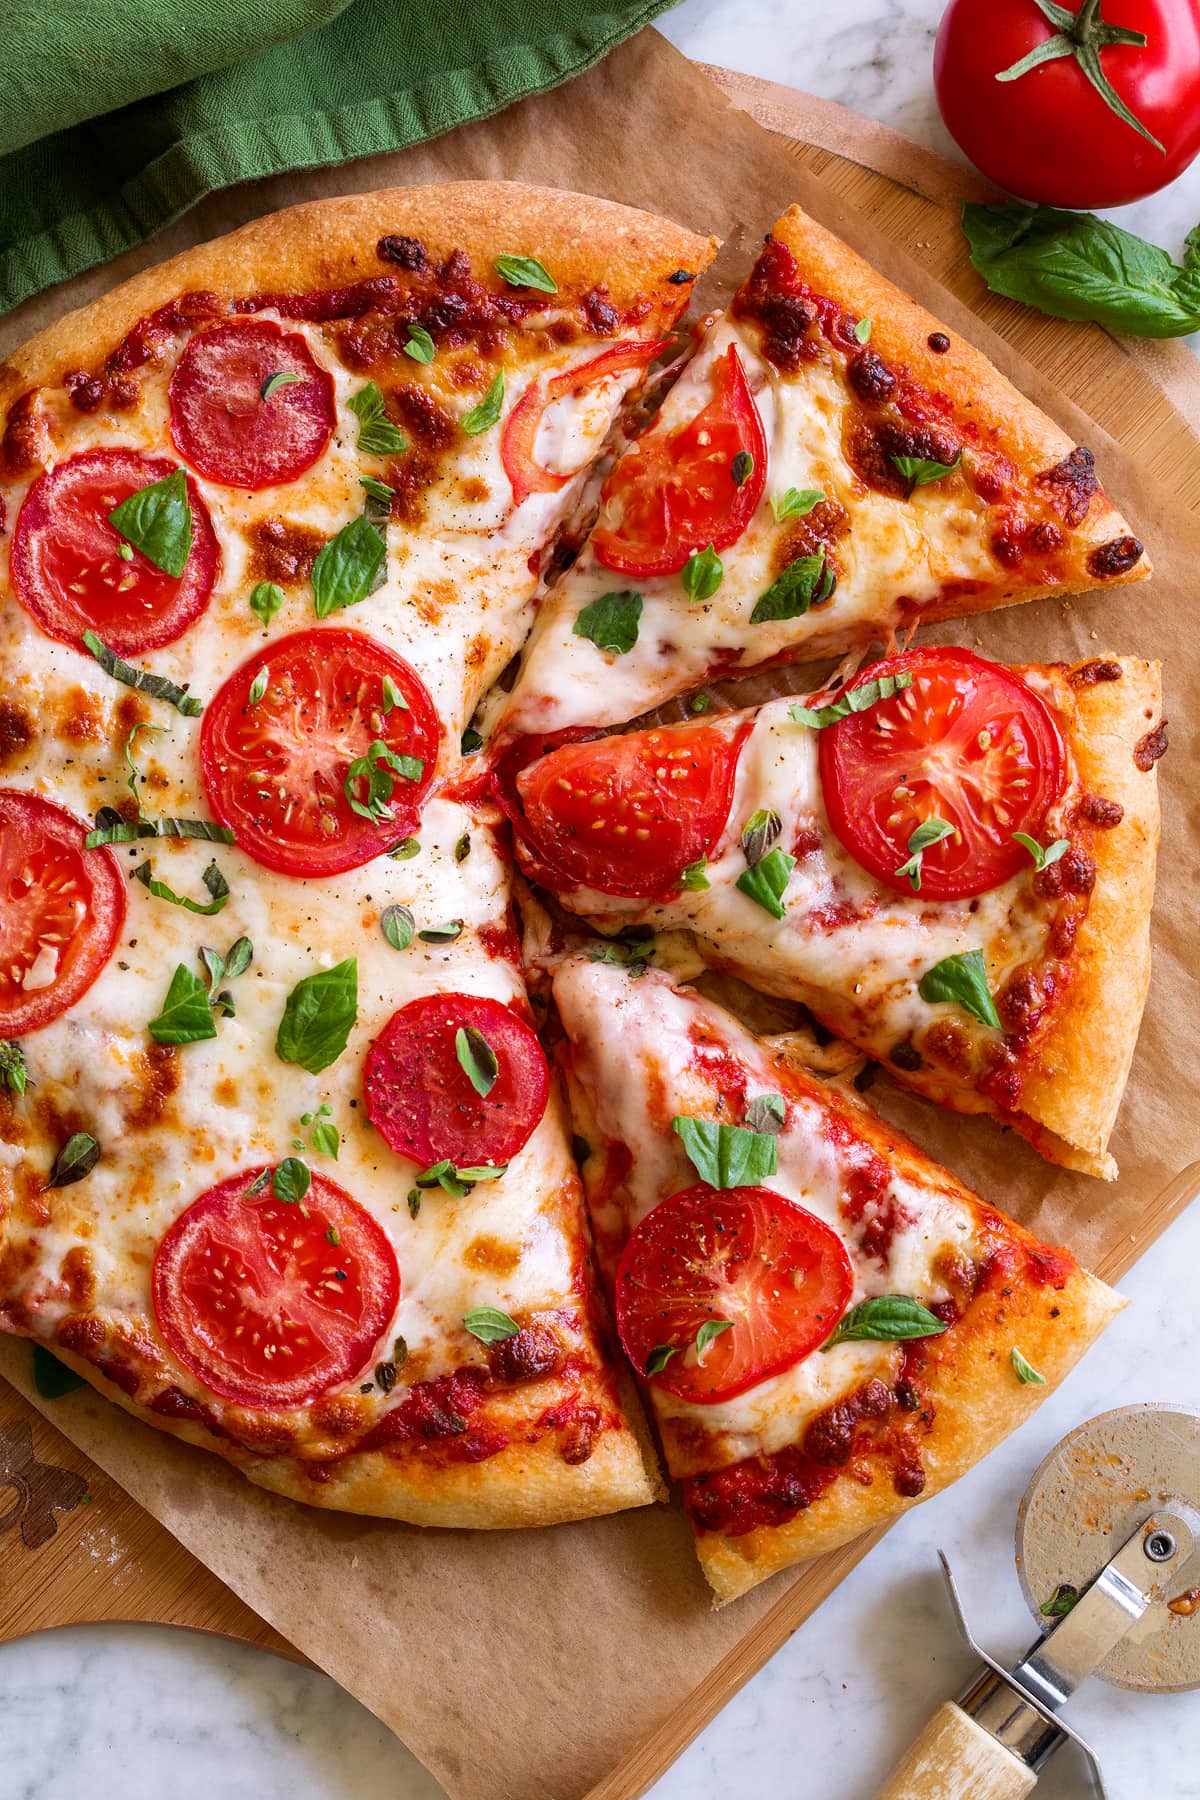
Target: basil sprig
(318, 1017)
(765, 882)
(694, 877)
(77, 1158)
(888, 1319)
(187, 1014)
(476, 1059)
(726, 1156)
(484, 416)
(795, 503)
(157, 686)
(349, 567)
(490, 1325)
(212, 878)
(1075, 266)
(14, 1075)
(809, 581)
(1042, 857)
(457, 1182)
(157, 520)
(702, 574)
(919, 471)
(856, 700)
(525, 271)
(326, 1138)
(927, 833)
(377, 436)
(612, 621)
(377, 768)
(962, 979)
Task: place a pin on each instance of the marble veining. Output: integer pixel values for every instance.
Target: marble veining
(146, 1713)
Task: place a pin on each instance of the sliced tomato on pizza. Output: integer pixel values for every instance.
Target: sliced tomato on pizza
(829, 1327)
(831, 466)
(949, 861)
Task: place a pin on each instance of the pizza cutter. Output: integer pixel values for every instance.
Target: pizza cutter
(1108, 1554)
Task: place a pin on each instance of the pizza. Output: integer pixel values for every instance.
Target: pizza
(829, 1326)
(831, 467)
(950, 862)
(285, 1162)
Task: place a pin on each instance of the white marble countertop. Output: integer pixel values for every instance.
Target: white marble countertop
(146, 1712)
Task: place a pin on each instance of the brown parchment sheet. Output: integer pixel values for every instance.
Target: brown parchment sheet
(554, 1664)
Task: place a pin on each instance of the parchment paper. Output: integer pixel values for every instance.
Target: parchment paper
(526, 1666)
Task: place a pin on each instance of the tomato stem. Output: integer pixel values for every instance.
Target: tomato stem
(1083, 35)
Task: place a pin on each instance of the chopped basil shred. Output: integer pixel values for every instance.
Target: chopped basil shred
(484, 416)
(611, 622)
(349, 567)
(766, 881)
(77, 1158)
(963, 980)
(490, 1325)
(266, 601)
(318, 1017)
(888, 1319)
(157, 520)
(405, 850)
(711, 1328)
(392, 697)
(377, 436)
(659, 1357)
(693, 877)
(760, 831)
(441, 934)
(927, 833)
(157, 686)
(919, 471)
(809, 581)
(476, 1059)
(526, 272)
(862, 331)
(258, 686)
(726, 1156)
(212, 878)
(125, 831)
(856, 700)
(281, 378)
(1024, 1371)
(795, 503)
(702, 574)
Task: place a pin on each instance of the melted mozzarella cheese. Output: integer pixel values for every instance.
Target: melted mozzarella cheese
(632, 1051)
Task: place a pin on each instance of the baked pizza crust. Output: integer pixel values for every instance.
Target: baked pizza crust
(900, 332)
(329, 243)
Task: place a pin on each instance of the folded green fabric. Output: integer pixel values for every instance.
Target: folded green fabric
(375, 75)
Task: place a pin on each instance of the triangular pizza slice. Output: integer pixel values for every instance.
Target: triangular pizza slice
(949, 861)
(830, 1327)
(831, 467)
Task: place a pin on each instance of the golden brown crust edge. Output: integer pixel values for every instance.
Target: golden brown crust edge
(327, 243)
(978, 1400)
(900, 329)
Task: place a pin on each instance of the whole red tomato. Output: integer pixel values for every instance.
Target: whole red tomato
(1059, 130)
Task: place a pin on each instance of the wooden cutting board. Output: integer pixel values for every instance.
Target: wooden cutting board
(73, 1546)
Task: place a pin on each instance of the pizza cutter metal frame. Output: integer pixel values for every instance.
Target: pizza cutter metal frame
(1108, 1541)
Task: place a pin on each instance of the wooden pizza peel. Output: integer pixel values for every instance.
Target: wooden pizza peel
(73, 1546)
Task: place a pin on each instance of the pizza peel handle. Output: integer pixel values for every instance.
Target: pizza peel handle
(956, 1759)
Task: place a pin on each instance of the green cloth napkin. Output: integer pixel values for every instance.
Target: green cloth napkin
(120, 114)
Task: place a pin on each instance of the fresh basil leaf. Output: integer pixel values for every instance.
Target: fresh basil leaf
(862, 331)
(157, 686)
(741, 468)
(441, 934)
(326, 1138)
(1024, 1371)
(444, 1175)
(320, 1013)
(258, 1184)
(420, 345)
(127, 831)
(1075, 266)
(659, 1357)
(258, 686)
(135, 775)
(392, 697)
(13, 1073)
(462, 848)
(490, 1325)
(266, 601)
(919, 471)
(414, 1202)
(157, 520)
(694, 877)
(377, 436)
(348, 568)
(611, 622)
(1060, 1602)
(857, 700)
(711, 1328)
(291, 1180)
(51, 1378)
(186, 1015)
(795, 503)
(526, 272)
(888, 1319)
(405, 850)
(238, 958)
(927, 833)
(484, 416)
(281, 378)
(396, 923)
(702, 575)
(476, 1059)
(212, 878)
(767, 1113)
(376, 768)
(377, 506)
(77, 1158)
(471, 740)
(213, 964)
(482, 1172)
(766, 881)
(726, 1156)
(801, 585)
(962, 979)
(1042, 859)
(761, 830)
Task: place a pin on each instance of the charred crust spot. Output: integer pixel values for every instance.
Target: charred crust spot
(908, 1477)
(830, 1436)
(85, 391)
(870, 377)
(78, 1276)
(283, 551)
(425, 420)
(871, 445)
(1073, 873)
(532, 1354)
(492, 1255)
(406, 252)
(601, 314)
(83, 1336)
(155, 1077)
(16, 731)
(820, 529)
(1070, 484)
(785, 317)
(938, 342)
(907, 1057)
(25, 445)
(1089, 673)
(948, 1043)
(1046, 537)
(1148, 749)
(1024, 998)
(1002, 1081)
(1114, 558)
(579, 1440)
(1094, 809)
(681, 277)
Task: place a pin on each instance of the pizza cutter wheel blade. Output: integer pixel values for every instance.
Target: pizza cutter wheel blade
(1108, 1552)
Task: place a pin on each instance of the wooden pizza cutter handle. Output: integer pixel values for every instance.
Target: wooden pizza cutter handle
(956, 1759)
